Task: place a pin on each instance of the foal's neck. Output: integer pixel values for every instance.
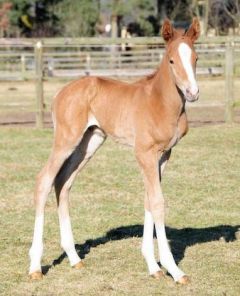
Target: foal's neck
(165, 89)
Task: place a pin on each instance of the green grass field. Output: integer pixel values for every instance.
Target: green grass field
(201, 186)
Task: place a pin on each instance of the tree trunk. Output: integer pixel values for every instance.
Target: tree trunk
(114, 26)
(206, 15)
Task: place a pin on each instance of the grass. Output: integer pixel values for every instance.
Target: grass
(201, 186)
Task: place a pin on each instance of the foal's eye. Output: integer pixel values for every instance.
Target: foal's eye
(171, 62)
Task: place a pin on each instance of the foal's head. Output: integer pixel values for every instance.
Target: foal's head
(182, 57)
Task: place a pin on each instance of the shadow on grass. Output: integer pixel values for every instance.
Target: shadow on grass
(180, 239)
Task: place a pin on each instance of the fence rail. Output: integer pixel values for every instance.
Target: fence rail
(38, 60)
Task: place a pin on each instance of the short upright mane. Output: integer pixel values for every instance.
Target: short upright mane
(149, 76)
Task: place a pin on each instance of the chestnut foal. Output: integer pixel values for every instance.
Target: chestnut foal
(148, 115)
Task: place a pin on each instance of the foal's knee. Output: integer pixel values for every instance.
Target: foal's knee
(158, 210)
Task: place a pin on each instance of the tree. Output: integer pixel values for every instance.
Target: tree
(206, 17)
(145, 15)
(232, 8)
(46, 22)
(4, 18)
(224, 14)
(79, 17)
(46, 18)
(34, 18)
(179, 11)
(138, 15)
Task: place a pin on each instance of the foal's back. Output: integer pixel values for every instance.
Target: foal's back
(111, 104)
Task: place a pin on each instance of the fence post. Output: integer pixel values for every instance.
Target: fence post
(229, 72)
(88, 64)
(23, 66)
(39, 84)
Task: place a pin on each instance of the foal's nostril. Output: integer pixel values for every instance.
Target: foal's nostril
(192, 92)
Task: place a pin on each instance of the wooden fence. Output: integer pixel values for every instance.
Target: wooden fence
(125, 58)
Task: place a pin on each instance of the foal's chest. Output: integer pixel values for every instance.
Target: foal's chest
(177, 133)
(173, 140)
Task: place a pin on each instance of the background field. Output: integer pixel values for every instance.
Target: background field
(201, 186)
(60, 62)
(18, 101)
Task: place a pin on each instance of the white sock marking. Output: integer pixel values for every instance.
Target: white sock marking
(36, 249)
(147, 244)
(67, 241)
(166, 257)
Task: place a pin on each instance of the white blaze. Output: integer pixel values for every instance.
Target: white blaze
(185, 53)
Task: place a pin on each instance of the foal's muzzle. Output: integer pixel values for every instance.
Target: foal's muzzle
(191, 95)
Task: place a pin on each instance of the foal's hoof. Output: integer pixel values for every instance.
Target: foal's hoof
(79, 265)
(36, 276)
(184, 280)
(158, 275)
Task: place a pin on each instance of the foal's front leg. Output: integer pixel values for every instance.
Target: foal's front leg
(148, 243)
(149, 164)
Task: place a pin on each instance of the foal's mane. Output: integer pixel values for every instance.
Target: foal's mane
(148, 77)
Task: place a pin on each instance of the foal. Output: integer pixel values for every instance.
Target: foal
(148, 115)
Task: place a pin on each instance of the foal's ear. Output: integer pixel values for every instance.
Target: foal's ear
(194, 30)
(167, 31)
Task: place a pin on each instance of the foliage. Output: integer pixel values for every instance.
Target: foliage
(38, 18)
(224, 14)
(5, 8)
(34, 18)
(145, 16)
(78, 16)
(179, 11)
(138, 15)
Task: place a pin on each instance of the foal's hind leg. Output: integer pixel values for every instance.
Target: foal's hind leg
(63, 147)
(43, 186)
(91, 141)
